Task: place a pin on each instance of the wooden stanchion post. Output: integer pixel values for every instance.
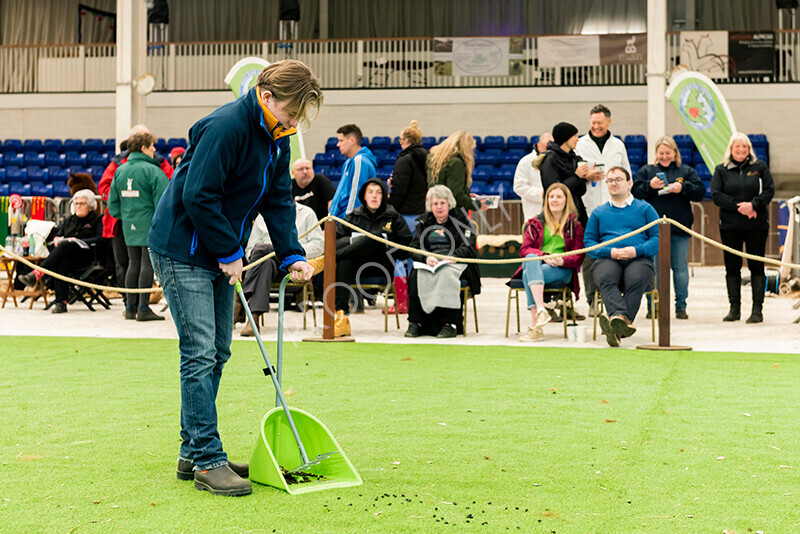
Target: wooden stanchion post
(664, 293)
(329, 289)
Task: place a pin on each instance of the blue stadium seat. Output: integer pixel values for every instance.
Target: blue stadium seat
(53, 158)
(517, 142)
(384, 173)
(41, 189)
(175, 142)
(686, 155)
(96, 158)
(339, 158)
(758, 139)
(510, 167)
(13, 159)
(335, 174)
(485, 158)
(702, 171)
(324, 159)
(36, 174)
(365, 141)
(93, 145)
(2, 175)
(761, 153)
(637, 155)
(19, 188)
(387, 159)
(634, 168)
(4, 190)
(330, 144)
(428, 142)
(379, 153)
(494, 141)
(441, 139)
(160, 144)
(73, 145)
(16, 174)
(477, 187)
(34, 145)
(1, 159)
(502, 175)
(511, 156)
(74, 159)
(396, 143)
(110, 146)
(53, 144)
(380, 141)
(31, 158)
(97, 172)
(478, 142)
(697, 159)
(483, 172)
(72, 169)
(635, 141)
(61, 189)
(534, 140)
(12, 144)
(684, 141)
(322, 169)
(57, 174)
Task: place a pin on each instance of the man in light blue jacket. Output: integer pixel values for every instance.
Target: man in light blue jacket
(360, 166)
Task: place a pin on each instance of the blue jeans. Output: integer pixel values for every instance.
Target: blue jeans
(538, 272)
(679, 262)
(201, 304)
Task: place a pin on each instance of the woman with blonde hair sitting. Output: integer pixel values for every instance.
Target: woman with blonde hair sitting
(450, 164)
(553, 231)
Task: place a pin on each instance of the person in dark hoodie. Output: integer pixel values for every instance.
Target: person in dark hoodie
(742, 187)
(236, 166)
(670, 188)
(561, 164)
(434, 288)
(358, 256)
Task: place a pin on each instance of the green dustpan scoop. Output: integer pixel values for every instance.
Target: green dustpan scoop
(295, 451)
(276, 449)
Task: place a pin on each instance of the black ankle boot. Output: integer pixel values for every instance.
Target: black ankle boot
(734, 314)
(759, 284)
(734, 285)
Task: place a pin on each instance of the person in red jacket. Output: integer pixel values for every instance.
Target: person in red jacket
(111, 226)
(553, 231)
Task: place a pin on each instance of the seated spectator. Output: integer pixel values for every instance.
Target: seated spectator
(622, 271)
(135, 191)
(257, 281)
(553, 231)
(358, 256)
(670, 188)
(434, 287)
(71, 246)
(313, 190)
(528, 180)
(359, 167)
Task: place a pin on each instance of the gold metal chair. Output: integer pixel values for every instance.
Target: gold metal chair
(598, 309)
(514, 291)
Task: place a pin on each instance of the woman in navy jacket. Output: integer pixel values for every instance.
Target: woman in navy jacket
(670, 188)
(236, 166)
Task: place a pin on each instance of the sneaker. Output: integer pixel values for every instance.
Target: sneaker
(129, 314)
(222, 480)
(622, 326)
(611, 336)
(542, 317)
(447, 331)
(28, 279)
(533, 334)
(414, 330)
(146, 314)
(186, 469)
(60, 307)
(681, 314)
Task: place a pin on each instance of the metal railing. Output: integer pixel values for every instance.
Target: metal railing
(366, 63)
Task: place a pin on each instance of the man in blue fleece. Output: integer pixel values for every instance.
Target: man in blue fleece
(359, 167)
(236, 166)
(624, 270)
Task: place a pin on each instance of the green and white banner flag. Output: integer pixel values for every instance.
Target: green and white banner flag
(242, 77)
(705, 113)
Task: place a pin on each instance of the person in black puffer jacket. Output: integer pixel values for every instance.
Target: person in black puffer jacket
(742, 187)
(672, 195)
(409, 181)
(561, 164)
(358, 256)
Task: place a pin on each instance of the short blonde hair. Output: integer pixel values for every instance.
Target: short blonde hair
(439, 191)
(88, 195)
(738, 136)
(668, 142)
(292, 81)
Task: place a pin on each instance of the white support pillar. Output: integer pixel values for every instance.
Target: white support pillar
(131, 56)
(656, 72)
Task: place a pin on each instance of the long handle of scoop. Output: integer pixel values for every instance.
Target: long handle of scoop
(271, 372)
(281, 300)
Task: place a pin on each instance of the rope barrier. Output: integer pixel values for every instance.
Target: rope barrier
(398, 246)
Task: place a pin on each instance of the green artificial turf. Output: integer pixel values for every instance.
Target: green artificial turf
(446, 438)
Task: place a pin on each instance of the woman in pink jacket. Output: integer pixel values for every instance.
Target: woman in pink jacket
(553, 231)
